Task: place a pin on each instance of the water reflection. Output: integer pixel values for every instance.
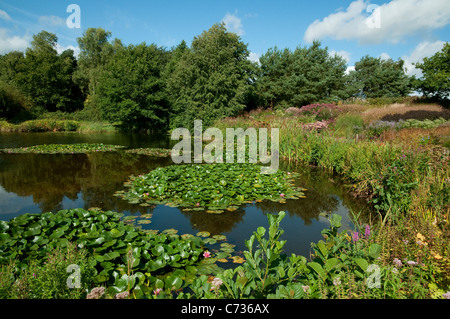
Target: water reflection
(34, 183)
(88, 179)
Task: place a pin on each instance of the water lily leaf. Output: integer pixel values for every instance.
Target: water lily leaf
(219, 237)
(203, 234)
(238, 259)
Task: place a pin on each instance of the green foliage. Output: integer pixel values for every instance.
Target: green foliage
(375, 77)
(266, 272)
(215, 186)
(211, 80)
(307, 75)
(46, 77)
(130, 90)
(63, 148)
(123, 256)
(395, 185)
(436, 73)
(349, 124)
(13, 103)
(48, 280)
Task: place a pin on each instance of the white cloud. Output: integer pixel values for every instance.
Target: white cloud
(422, 50)
(254, 57)
(349, 69)
(61, 48)
(233, 24)
(390, 22)
(385, 56)
(344, 54)
(4, 15)
(12, 43)
(52, 21)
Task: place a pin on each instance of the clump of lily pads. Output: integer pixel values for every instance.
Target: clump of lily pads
(64, 148)
(155, 152)
(214, 187)
(124, 257)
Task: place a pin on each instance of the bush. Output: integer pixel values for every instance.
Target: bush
(50, 280)
(321, 111)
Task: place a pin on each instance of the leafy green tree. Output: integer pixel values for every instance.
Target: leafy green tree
(376, 77)
(435, 81)
(95, 53)
(131, 88)
(211, 80)
(304, 76)
(46, 77)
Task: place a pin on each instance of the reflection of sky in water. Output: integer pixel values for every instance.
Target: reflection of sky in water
(35, 183)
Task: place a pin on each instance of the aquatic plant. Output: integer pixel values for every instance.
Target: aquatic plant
(214, 186)
(63, 148)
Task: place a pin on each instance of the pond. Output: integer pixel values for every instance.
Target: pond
(35, 183)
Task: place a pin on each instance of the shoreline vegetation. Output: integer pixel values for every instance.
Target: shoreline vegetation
(389, 147)
(395, 158)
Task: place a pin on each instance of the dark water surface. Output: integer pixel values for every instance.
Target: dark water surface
(35, 183)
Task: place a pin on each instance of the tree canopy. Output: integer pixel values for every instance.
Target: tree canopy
(147, 87)
(435, 81)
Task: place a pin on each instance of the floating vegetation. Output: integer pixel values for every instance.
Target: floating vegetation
(211, 187)
(156, 152)
(155, 258)
(63, 148)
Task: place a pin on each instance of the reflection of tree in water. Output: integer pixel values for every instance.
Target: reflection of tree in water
(324, 192)
(50, 178)
(215, 223)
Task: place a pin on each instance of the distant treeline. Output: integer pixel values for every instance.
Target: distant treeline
(148, 87)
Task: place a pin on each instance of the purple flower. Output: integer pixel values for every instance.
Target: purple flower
(355, 236)
(367, 231)
(446, 295)
(411, 262)
(398, 262)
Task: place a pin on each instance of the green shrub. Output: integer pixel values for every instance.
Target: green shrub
(49, 279)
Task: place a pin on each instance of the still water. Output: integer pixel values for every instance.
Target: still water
(35, 183)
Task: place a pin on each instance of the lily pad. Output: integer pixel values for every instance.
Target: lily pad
(219, 186)
(203, 234)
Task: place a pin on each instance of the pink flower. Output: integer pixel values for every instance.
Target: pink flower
(282, 195)
(206, 254)
(157, 291)
(198, 204)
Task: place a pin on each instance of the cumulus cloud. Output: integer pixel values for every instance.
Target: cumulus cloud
(254, 57)
(422, 50)
(344, 54)
(233, 24)
(390, 22)
(4, 15)
(385, 56)
(12, 43)
(60, 49)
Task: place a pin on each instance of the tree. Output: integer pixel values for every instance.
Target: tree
(131, 88)
(95, 53)
(46, 77)
(435, 81)
(307, 75)
(211, 80)
(375, 77)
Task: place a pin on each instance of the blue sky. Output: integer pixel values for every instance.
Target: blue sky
(407, 29)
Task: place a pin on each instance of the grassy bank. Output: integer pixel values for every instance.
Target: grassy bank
(395, 156)
(50, 125)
